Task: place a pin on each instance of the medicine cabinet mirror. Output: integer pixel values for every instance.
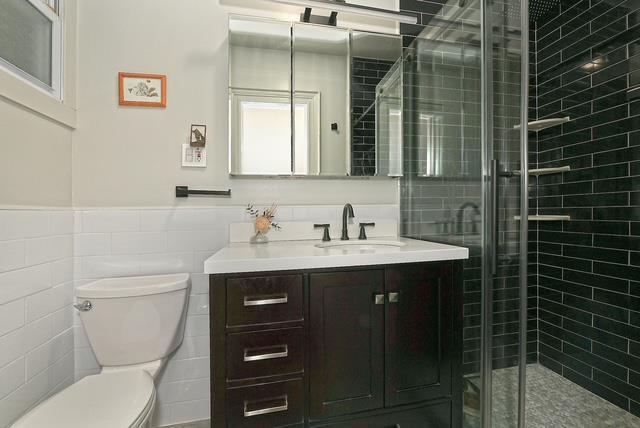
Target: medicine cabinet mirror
(312, 100)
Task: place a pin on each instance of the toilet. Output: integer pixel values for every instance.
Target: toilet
(133, 325)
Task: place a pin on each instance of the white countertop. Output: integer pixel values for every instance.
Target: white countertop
(293, 255)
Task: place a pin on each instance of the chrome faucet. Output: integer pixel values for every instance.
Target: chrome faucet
(347, 213)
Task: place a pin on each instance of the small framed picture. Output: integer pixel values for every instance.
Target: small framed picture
(143, 90)
(198, 135)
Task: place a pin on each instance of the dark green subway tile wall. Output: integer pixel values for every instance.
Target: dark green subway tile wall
(587, 62)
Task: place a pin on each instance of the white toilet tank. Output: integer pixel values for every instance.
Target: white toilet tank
(134, 320)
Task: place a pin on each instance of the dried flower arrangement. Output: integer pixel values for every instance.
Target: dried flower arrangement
(263, 221)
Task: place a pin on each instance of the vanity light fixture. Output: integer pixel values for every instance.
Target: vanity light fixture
(356, 9)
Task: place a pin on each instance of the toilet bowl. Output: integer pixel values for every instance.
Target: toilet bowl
(133, 324)
(106, 400)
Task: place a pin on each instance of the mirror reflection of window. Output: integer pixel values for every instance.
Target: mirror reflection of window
(430, 145)
(302, 139)
(261, 130)
(260, 96)
(265, 138)
(338, 126)
(266, 141)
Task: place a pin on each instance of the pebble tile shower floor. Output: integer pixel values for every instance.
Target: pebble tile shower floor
(552, 402)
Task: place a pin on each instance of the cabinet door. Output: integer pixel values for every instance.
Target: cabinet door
(346, 341)
(419, 330)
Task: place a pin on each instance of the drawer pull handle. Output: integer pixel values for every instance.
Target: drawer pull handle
(266, 410)
(266, 300)
(268, 355)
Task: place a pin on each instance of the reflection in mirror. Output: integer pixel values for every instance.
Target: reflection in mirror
(321, 77)
(376, 94)
(260, 97)
(347, 115)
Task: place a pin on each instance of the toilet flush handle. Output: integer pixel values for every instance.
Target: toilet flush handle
(84, 306)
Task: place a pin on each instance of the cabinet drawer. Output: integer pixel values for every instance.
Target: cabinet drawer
(264, 353)
(262, 300)
(269, 405)
(433, 416)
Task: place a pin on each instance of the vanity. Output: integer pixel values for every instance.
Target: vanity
(337, 334)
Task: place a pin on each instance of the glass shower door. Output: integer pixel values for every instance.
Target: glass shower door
(463, 175)
(505, 193)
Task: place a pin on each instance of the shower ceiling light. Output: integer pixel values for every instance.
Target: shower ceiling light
(356, 9)
(594, 65)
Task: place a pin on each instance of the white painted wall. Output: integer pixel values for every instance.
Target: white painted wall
(35, 159)
(130, 156)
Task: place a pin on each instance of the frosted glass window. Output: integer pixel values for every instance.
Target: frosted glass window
(26, 36)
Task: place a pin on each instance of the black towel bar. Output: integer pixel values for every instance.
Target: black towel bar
(184, 192)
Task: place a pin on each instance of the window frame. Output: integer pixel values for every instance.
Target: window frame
(56, 89)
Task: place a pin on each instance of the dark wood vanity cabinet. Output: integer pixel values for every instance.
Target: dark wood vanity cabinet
(367, 347)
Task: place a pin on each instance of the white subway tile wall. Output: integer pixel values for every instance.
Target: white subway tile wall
(36, 316)
(45, 254)
(121, 242)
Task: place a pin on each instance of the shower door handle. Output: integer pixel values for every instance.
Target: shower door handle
(495, 208)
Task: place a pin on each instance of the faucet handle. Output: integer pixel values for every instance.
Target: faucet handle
(363, 234)
(325, 236)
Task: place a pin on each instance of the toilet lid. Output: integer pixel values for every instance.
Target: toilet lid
(107, 400)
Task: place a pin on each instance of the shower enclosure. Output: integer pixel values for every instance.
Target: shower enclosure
(521, 135)
(464, 167)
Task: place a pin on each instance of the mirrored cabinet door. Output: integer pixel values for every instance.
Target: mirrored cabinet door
(321, 68)
(377, 108)
(314, 100)
(260, 97)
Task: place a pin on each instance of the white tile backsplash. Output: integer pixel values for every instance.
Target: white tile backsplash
(38, 332)
(44, 255)
(24, 397)
(62, 223)
(48, 301)
(20, 224)
(138, 242)
(91, 244)
(20, 283)
(166, 263)
(193, 368)
(36, 289)
(11, 316)
(11, 377)
(184, 390)
(11, 346)
(111, 221)
(47, 249)
(12, 255)
(195, 240)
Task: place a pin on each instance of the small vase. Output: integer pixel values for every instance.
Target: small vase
(259, 238)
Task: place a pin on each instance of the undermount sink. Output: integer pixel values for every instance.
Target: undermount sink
(358, 245)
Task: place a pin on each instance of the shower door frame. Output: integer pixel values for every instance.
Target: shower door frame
(490, 180)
